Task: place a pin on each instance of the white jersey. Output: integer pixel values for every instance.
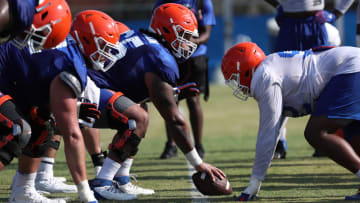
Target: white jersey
(288, 84)
(293, 6)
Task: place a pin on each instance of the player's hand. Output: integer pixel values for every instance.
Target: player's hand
(186, 90)
(211, 170)
(325, 16)
(88, 113)
(250, 193)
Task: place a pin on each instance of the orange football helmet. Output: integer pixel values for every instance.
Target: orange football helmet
(176, 24)
(97, 36)
(51, 25)
(238, 65)
(121, 27)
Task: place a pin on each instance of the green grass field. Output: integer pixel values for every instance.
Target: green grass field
(230, 131)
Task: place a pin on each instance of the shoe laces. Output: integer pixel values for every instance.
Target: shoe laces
(30, 192)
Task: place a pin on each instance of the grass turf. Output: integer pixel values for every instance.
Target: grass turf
(230, 129)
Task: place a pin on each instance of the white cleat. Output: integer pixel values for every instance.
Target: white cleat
(60, 179)
(53, 185)
(106, 189)
(27, 194)
(130, 188)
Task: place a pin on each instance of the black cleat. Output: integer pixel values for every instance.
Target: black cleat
(170, 151)
(280, 152)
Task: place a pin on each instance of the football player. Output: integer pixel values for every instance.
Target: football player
(194, 70)
(58, 77)
(323, 78)
(145, 67)
(15, 17)
(303, 25)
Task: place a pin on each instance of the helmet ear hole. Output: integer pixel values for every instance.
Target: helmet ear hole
(43, 16)
(166, 30)
(86, 40)
(247, 73)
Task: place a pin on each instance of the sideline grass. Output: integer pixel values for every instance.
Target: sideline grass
(229, 140)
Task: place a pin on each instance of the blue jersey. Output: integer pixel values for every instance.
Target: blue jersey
(141, 54)
(22, 12)
(204, 17)
(26, 76)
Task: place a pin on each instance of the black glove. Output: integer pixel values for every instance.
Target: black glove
(88, 113)
(186, 90)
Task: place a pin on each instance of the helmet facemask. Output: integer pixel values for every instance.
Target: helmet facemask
(240, 91)
(34, 37)
(182, 46)
(106, 53)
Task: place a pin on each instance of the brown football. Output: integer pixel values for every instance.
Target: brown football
(206, 186)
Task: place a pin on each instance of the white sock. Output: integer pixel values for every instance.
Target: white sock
(23, 179)
(84, 191)
(108, 169)
(46, 168)
(124, 170)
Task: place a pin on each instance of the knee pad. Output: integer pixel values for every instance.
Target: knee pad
(126, 145)
(9, 152)
(43, 128)
(12, 126)
(116, 119)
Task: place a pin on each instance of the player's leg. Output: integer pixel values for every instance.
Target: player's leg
(170, 149)
(130, 121)
(196, 120)
(337, 108)
(93, 146)
(45, 179)
(281, 147)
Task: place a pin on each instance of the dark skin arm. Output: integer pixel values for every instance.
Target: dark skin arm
(161, 94)
(4, 16)
(203, 37)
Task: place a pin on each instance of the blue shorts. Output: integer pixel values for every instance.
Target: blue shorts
(300, 34)
(340, 98)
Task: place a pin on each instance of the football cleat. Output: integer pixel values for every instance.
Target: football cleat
(53, 185)
(60, 179)
(131, 188)
(170, 151)
(28, 194)
(109, 190)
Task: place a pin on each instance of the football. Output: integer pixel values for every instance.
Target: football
(206, 186)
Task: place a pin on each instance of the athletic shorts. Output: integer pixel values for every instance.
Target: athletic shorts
(300, 34)
(194, 70)
(340, 98)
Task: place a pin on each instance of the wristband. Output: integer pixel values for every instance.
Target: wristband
(193, 157)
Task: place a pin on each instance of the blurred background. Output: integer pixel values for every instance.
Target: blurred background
(236, 21)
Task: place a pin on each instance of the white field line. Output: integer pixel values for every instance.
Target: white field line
(196, 196)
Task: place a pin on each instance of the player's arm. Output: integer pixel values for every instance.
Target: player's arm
(341, 7)
(63, 103)
(161, 94)
(274, 3)
(4, 16)
(204, 36)
(270, 107)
